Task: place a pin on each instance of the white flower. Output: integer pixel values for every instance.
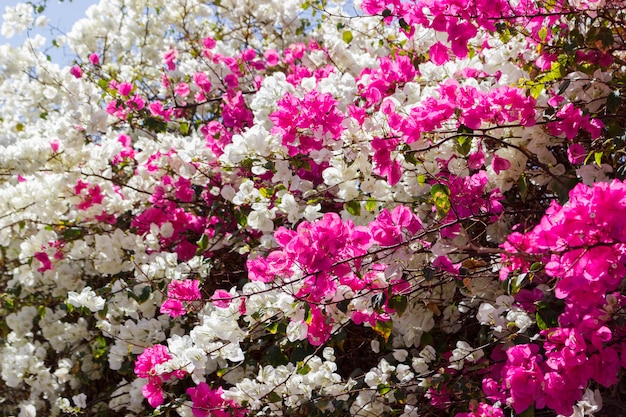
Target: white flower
(87, 298)
(16, 19)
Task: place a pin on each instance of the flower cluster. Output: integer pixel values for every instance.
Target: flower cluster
(239, 208)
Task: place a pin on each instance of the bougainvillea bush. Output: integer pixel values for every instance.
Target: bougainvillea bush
(314, 208)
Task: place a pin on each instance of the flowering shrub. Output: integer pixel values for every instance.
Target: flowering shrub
(386, 207)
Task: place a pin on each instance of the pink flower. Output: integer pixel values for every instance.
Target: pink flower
(76, 71)
(46, 264)
(94, 59)
(153, 392)
(500, 164)
(202, 81)
(576, 153)
(208, 402)
(55, 144)
(523, 377)
(209, 43)
(272, 57)
(187, 290)
(182, 89)
(168, 59)
(149, 358)
(221, 298)
(439, 53)
(173, 307)
(231, 81)
(125, 89)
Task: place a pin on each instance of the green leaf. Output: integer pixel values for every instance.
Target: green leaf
(426, 339)
(404, 25)
(522, 185)
(536, 89)
(613, 102)
(441, 197)
(353, 207)
(383, 389)
(303, 368)
(464, 145)
(598, 158)
(41, 311)
(384, 328)
(398, 303)
(72, 233)
(273, 327)
(184, 128)
(99, 347)
(543, 33)
(421, 180)
(347, 36)
(546, 318)
(145, 294)
(203, 243)
(266, 192)
(273, 397)
(371, 204)
(241, 218)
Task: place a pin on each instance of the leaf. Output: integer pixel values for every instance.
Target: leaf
(598, 158)
(404, 25)
(241, 218)
(441, 197)
(522, 185)
(353, 207)
(273, 397)
(543, 33)
(384, 328)
(273, 327)
(266, 192)
(203, 243)
(303, 368)
(383, 389)
(72, 233)
(371, 204)
(99, 347)
(613, 102)
(398, 303)
(347, 36)
(464, 145)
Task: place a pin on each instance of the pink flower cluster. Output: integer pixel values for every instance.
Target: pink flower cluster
(328, 253)
(90, 194)
(306, 124)
(570, 120)
(380, 82)
(145, 368)
(208, 402)
(583, 247)
(179, 294)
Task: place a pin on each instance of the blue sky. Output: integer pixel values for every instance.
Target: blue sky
(61, 15)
